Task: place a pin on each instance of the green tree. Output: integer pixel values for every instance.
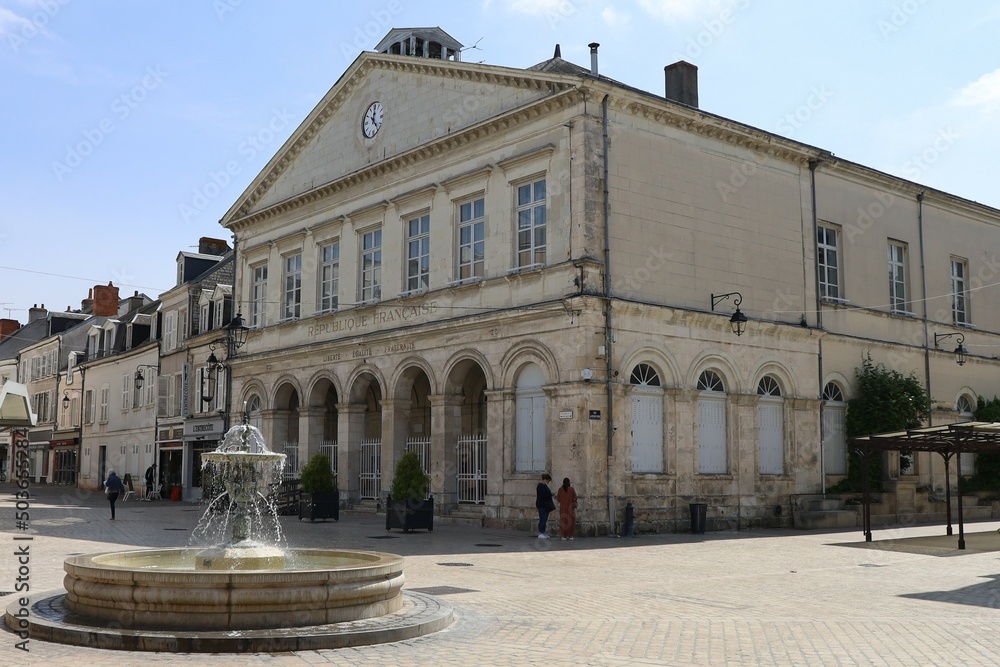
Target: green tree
(987, 477)
(885, 401)
(410, 482)
(317, 475)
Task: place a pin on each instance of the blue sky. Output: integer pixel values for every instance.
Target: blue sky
(120, 117)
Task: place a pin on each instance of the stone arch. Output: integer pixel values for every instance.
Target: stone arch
(318, 386)
(283, 387)
(253, 387)
(406, 373)
(458, 366)
(522, 353)
(841, 381)
(358, 382)
(642, 353)
(722, 365)
(777, 370)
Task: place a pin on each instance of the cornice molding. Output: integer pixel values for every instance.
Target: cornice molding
(527, 156)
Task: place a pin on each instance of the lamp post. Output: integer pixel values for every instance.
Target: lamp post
(236, 333)
(961, 354)
(738, 322)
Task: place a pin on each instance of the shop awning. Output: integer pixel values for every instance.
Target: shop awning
(15, 406)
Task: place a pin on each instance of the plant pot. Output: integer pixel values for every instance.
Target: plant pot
(409, 515)
(320, 505)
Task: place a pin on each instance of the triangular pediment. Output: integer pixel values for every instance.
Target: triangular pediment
(422, 101)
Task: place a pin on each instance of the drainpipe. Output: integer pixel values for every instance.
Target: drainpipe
(927, 351)
(819, 325)
(608, 331)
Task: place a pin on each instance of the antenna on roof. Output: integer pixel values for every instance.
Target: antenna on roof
(558, 53)
(474, 46)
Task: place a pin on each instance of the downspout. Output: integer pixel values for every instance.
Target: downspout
(927, 351)
(819, 325)
(608, 332)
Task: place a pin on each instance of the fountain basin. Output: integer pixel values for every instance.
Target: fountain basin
(162, 589)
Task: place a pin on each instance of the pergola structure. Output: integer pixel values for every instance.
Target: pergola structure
(15, 412)
(948, 440)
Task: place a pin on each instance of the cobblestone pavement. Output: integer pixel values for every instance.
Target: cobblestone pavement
(756, 597)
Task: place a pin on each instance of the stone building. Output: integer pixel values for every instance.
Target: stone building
(512, 271)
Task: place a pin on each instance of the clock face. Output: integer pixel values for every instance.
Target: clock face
(372, 120)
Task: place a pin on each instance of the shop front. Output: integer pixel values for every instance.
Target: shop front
(200, 436)
(65, 456)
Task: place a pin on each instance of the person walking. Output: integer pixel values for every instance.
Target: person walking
(566, 496)
(113, 487)
(544, 504)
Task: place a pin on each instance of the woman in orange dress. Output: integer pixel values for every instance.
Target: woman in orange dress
(566, 496)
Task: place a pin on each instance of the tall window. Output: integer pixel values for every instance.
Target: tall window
(371, 265)
(959, 304)
(471, 239)
(329, 276)
(127, 388)
(258, 295)
(418, 253)
(529, 430)
(770, 427)
(828, 256)
(712, 459)
(834, 412)
(88, 406)
(897, 277)
(292, 301)
(647, 420)
(105, 399)
(170, 331)
(531, 224)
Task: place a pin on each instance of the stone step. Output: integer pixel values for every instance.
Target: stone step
(455, 519)
(822, 504)
(808, 520)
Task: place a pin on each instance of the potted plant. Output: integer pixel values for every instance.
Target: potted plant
(320, 497)
(408, 506)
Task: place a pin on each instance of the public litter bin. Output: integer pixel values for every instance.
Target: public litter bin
(698, 513)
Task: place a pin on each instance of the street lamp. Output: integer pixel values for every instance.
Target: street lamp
(236, 333)
(961, 354)
(738, 321)
(139, 379)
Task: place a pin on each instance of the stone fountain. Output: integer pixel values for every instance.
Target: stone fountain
(245, 593)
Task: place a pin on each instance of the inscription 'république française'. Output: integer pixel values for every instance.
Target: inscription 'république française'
(358, 323)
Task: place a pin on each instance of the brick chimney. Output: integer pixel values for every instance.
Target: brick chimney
(37, 312)
(7, 327)
(106, 300)
(682, 83)
(210, 246)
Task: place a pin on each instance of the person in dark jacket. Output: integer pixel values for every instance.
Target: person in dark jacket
(544, 504)
(113, 487)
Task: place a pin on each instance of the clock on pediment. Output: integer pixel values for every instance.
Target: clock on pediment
(371, 122)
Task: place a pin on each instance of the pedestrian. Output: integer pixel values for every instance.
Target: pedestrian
(566, 495)
(150, 479)
(544, 504)
(113, 487)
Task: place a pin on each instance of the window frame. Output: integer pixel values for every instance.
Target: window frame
(960, 291)
(258, 294)
(329, 276)
(417, 270)
(832, 290)
(898, 278)
(291, 295)
(476, 267)
(535, 254)
(370, 283)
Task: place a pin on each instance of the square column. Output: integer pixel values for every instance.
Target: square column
(446, 427)
(350, 433)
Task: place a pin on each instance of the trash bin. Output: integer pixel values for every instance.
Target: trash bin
(698, 512)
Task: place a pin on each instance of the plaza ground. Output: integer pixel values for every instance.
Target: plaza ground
(758, 597)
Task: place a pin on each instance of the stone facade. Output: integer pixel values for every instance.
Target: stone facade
(482, 316)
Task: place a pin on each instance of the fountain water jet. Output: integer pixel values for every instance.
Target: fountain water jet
(243, 595)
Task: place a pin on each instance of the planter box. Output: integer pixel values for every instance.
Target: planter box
(325, 505)
(409, 515)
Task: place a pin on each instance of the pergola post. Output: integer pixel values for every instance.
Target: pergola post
(961, 515)
(866, 496)
(947, 488)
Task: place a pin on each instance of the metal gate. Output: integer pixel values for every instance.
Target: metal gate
(471, 477)
(330, 449)
(291, 452)
(422, 448)
(371, 469)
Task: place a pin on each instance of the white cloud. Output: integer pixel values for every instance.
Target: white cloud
(614, 18)
(10, 22)
(672, 11)
(983, 92)
(540, 7)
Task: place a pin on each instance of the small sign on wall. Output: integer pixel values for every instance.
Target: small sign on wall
(566, 414)
(595, 414)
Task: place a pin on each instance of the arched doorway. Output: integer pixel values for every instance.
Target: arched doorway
(412, 409)
(286, 428)
(770, 427)
(467, 383)
(366, 397)
(323, 421)
(712, 455)
(834, 430)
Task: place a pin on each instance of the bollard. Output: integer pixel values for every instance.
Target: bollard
(629, 520)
